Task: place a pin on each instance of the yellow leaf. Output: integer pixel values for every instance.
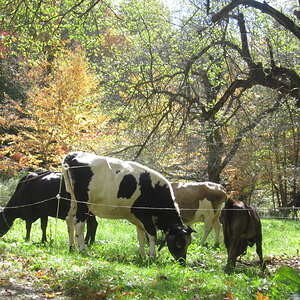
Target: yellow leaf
(260, 296)
(50, 296)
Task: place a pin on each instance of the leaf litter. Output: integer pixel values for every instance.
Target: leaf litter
(19, 279)
(22, 278)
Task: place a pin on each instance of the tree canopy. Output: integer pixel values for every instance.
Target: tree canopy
(210, 92)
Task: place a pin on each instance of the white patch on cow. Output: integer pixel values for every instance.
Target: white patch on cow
(70, 224)
(210, 218)
(205, 211)
(141, 239)
(79, 229)
(52, 176)
(205, 214)
(151, 245)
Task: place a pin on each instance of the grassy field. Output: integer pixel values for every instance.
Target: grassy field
(112, 268)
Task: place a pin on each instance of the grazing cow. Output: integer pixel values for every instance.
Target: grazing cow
(201, 202)
(115, 189)
(241, 228)
(34, 198)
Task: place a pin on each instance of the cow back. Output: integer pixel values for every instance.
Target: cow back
(194, 199)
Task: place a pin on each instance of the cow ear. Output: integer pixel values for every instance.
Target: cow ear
(188, 229)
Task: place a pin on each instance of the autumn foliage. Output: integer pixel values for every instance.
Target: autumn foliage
(62, 113)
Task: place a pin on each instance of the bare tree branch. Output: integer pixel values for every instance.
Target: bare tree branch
(263, 7)
(243, 131)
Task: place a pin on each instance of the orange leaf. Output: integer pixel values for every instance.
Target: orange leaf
(260, 296)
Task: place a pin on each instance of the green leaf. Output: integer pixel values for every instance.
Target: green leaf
(289, 276)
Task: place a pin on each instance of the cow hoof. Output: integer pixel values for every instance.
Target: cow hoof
(264, 267)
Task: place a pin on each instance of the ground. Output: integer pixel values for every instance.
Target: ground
(20, 280)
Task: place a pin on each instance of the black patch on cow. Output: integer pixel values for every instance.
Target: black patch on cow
(145, 183)
(127, 187)
(81, 174)
(148, 205)
(118, 171)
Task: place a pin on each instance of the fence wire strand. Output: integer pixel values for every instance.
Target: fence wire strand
(59, 198)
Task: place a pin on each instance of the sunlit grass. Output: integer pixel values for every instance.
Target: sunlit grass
(112, 268)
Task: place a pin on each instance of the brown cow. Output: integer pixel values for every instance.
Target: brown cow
(200, 202)
(241, 228)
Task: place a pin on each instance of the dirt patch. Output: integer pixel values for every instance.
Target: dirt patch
(19, 279)
(274, 263)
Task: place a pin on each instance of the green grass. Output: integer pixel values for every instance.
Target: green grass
(113, 269)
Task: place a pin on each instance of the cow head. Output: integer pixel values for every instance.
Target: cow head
(178, 240)
(4, 225)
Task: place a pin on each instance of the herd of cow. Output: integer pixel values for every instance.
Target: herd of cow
(91, 185)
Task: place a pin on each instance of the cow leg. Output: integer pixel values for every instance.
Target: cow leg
(141, 239)
(93, 230)
(70, 225)
(28, 230)
(81, 211)
(150, 229)
(79, 230)
(152, 241)
(76, 219)
(208, 223)
(92, 225)
(232, 253)
(44, 223)
(217, 227)
(259, 249)
(259, 253)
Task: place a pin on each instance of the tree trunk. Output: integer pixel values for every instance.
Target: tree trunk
(215, 148)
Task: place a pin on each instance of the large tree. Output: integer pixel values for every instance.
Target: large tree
(213, 77)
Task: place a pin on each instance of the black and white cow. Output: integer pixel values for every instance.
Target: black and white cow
(35, 198)
(115, 189)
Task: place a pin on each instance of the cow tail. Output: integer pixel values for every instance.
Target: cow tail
(66, 172)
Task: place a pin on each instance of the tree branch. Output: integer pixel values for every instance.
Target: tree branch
(263, 7)
(242, 132)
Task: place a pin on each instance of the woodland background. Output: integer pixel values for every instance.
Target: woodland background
(199, 90)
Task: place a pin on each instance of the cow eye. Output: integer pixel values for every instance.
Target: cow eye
(179, 244)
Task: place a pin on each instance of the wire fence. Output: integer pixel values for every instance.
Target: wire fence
(264, 212)
(269, 213)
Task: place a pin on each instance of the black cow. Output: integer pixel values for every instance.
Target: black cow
(241, 228)
(115, 189)
(35, 198)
